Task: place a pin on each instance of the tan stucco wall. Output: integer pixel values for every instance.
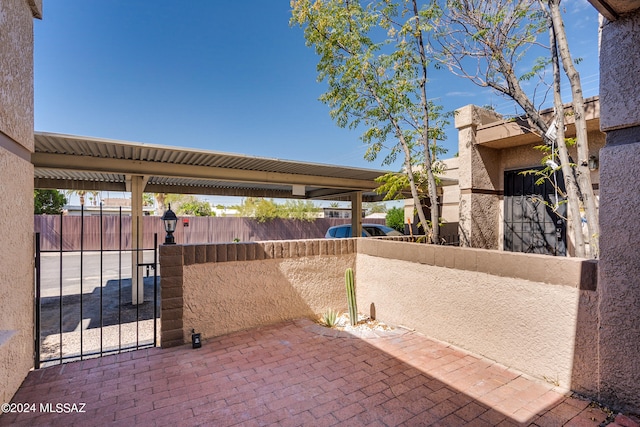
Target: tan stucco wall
(530, 325)
(232, 296)
(221, 288)
(619, 275)
(16, 197)
(16, 71)
(16, 273)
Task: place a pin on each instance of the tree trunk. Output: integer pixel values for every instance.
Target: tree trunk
(413, 187)
(582, 144)
(574, 220)
(428, 159)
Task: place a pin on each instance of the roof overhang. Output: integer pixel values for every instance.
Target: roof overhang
(86, 163)
(613, 9)
(515, 132)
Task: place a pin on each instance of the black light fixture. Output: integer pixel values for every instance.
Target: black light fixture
(170, 220)
(593, 162)
(196, 339)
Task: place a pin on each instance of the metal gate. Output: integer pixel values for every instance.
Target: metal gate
(534, 214)
(83, 290)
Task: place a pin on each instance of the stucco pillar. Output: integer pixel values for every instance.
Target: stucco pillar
(16, 197)
(619, 265)
(478, 181)
(356, 214)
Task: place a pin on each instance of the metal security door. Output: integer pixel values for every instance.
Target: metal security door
(83, 296)
(534, 214)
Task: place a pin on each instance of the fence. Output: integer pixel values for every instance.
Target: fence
(198, 230)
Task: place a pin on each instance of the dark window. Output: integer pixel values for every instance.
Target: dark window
(343, 231)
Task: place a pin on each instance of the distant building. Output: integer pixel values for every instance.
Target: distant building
(344, 213)
(110, 206)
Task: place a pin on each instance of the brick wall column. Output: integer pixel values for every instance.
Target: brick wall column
(171, 270)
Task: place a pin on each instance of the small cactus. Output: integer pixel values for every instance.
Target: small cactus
(351, 296)
(329, 318)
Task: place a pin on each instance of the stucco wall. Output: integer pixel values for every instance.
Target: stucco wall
(221, 288)
(481, 301)
(241, 295)
(16, 197)
(16, 273)
(619, 281)
(16, 71)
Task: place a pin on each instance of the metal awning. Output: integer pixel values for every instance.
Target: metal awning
(86, 163)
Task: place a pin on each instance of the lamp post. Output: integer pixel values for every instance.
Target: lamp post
(170, 220)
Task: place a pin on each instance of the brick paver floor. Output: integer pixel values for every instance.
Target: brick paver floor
(296, 373)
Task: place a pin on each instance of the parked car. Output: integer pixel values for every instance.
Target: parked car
(368, 230)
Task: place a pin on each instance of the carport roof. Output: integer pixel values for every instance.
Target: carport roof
(87, 163)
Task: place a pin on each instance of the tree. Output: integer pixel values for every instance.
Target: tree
(374, 61)
(560, 46)
(261, 209)
(303, 210)
(48, 202)
(160, 200)
(195, 207)
(266, 209)
(395, 219)
(486, 41)
(80, 193)
(374, 207)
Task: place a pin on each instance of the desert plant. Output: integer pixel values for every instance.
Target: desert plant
(351, 296)
(329, 318)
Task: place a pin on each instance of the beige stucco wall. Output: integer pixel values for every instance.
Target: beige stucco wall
(619, 280)
(16, 273)
(232, 296)
(16, 197)
(477, 180)
(16, 70)
(448, 294)
(231, 287)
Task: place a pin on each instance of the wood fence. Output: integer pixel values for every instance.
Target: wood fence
(113, 232)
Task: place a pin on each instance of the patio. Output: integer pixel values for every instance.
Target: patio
(298, 373)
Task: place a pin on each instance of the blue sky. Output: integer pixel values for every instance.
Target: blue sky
(229, 76)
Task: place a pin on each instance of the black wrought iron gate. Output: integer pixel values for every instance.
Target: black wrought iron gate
(83, 290)
(534, 214)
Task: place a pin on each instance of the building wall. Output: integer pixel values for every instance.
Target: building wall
(619, 273)
(450, 196)
(489, 146)
(16, 197)
(451, 193)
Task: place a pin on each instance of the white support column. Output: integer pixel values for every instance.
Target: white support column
(356, 214)
(136, 187)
